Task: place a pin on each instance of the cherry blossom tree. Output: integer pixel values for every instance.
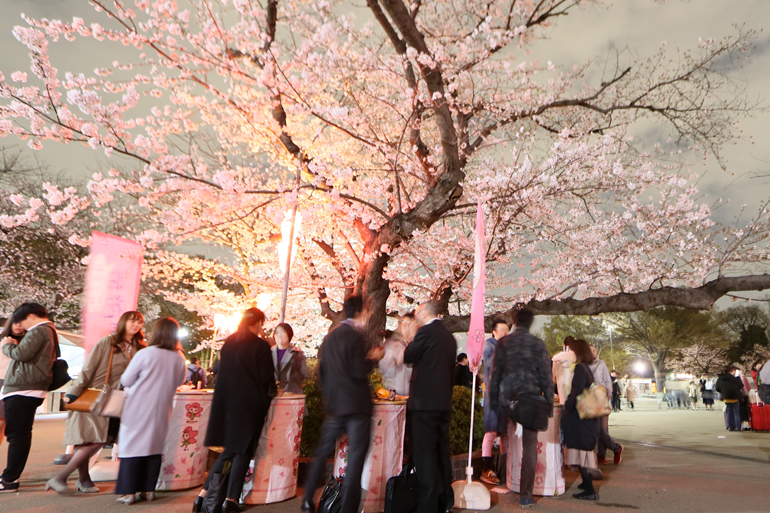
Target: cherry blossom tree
(385, 125)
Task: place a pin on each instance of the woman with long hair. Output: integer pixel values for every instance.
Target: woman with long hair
(151, 378)
(13, 330)
(87, 432)
(245, 364)
(581, 435)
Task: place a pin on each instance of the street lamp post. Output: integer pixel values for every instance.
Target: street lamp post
(612, 351)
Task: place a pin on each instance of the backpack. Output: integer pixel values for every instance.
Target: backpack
(196, 376)
(709, 385)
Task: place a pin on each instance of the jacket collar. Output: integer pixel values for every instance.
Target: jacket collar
(286, 357)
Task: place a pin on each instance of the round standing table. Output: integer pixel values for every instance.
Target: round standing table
(385, 456)
(272, 476)
(184, 455)
(549, 478)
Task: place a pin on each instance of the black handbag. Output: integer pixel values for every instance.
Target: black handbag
(402, 492)
(531, 411)
(331, 498)
(217, 490)
(60, 368)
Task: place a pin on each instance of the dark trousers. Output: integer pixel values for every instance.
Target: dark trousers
(733, 416)
(605, 440)
(238, 471)
(19, 417)
(528, 462)
(431, 454)
(358, 427)
(138, 474)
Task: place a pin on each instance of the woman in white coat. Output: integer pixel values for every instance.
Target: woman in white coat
(151, 378)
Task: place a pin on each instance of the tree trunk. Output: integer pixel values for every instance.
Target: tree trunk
(658, 366)
(375, 291)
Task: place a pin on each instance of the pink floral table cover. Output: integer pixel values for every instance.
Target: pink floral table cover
(184, 455)
(385, 456)
(549, 478)
(272, 476)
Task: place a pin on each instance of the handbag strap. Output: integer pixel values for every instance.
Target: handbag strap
(109, 367)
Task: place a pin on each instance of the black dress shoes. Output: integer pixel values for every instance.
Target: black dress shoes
(307, 506)
(197, 505)
(231, 507)
(586, 496)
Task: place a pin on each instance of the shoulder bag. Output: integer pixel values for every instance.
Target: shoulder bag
(593, 402)
(109, 403)
(60, 368)
(531, 411)
(91, 396)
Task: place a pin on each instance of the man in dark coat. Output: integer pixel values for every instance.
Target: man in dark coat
(521, 366)
(245, 386)
(729, 385)
(463, 375)
(432, 355)
(344, 368)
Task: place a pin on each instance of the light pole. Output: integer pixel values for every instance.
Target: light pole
(612, 351)
(286, 252)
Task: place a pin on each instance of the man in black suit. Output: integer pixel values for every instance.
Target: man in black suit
(344, 367)
(432, 355)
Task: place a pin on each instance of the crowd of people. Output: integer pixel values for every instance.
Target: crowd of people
(418, 360)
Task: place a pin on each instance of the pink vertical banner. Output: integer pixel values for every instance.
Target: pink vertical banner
(112, 284)
(475, 344)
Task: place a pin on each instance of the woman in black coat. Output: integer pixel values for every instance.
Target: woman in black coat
(581, 436)
(245, 386)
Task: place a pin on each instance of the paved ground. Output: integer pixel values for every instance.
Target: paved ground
(675, 461)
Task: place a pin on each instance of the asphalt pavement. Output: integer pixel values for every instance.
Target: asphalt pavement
(673, 461)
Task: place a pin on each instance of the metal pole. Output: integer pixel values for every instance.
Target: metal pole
(469, 468)
(285, 291)
(612, 351)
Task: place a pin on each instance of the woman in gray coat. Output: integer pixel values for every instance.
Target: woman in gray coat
(290, 364)
(87, 432)
(152, 378)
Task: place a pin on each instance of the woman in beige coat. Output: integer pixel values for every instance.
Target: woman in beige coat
(87, 432)
(631, 393)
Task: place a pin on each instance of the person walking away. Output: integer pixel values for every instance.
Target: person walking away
(432, 355)
(15, 332)
(602, 376)
(289, 363)
(631, 393)
(88, 433)
(692, 391)
(237, 418)
(730, 387)
(344, 367)
(522, 367)
(581, 435)
(562, 369)
(151, 377)
(495, 421)
(463, 377)
(616, 391)
(26, 383)
(743, 404)
(395, 374)
(195, 373)
(707, 392)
